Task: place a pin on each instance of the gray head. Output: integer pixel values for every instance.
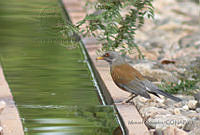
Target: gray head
(111, 56)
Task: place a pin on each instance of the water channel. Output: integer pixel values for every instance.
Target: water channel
(47, 72)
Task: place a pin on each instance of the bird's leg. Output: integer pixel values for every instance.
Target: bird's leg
(130, 98)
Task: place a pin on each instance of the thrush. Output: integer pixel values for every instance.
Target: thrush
(131, 80)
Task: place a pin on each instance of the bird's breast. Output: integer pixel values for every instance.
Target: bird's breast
(121, 74)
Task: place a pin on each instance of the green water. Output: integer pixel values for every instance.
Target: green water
(47, 73)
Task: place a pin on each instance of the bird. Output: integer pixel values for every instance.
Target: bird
(131, 80)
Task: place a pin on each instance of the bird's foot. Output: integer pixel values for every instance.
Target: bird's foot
(127, 101)
(130, 98)
(123, 103)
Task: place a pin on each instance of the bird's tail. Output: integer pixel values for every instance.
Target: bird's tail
(168, 95)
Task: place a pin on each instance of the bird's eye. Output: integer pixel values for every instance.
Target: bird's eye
(106, 55)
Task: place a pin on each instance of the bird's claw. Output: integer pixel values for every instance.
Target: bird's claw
(126, 101)
(123, 103)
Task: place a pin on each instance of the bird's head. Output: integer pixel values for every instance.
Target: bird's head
(109, 56)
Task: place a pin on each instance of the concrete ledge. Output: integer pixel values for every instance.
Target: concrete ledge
(9, 118)
(112, 94)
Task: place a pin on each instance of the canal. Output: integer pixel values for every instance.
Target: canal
(47, 72)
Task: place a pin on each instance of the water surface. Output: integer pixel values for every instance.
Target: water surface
(47, 72)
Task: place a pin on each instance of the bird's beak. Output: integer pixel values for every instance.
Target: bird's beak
(100, 58)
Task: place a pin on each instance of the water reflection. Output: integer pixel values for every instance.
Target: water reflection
(94, 120)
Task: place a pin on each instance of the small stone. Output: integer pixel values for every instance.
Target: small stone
(2, 105)
(137, 103)
(185, 107)
(160, 105)
(158, 132)
(189, 39)
(160, 100)
(198, 110)
(192, 114)
(148, 112)
(192, 104)
(177, 111)
(170, 103)
(179, 104)
(196, 131)
(170, 109)
(191, 125)
(142, 99)
(171, 130)
(197, 96)
(162, 121)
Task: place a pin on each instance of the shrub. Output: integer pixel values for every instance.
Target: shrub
(114, 22)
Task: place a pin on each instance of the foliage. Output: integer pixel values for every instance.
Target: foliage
(114, 22)
(183, 86)
(189, 80)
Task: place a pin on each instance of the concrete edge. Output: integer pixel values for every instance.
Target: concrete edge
(9, 118)
(129, 115)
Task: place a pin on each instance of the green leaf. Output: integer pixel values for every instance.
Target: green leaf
(114, 30)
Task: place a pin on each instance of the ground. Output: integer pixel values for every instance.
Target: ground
(171, 46)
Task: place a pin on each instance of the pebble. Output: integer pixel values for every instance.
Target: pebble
(196, 131)
(185, 107)
(177, 111)
(179, 104)
(191, 125)
(197, 96)
(162, 121)
(158, 132)
(152, 111)
(198, 110)
(192, 114)
(192, 104)
(171, 130)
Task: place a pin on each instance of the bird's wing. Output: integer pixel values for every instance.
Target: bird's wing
(136, 87)
(129, 79)
(150, 86)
